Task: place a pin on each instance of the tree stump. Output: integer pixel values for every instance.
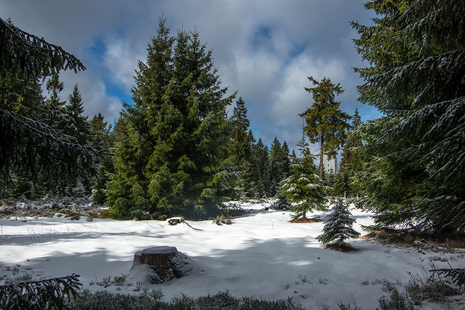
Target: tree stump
(162, 263)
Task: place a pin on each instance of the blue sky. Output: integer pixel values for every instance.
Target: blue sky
(264, 49)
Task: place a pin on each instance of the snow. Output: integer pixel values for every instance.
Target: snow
(261, 255)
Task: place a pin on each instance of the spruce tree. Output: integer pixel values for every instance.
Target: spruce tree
(351, 159)
(31, 147)
(77, 125)
(169, 159)
(275, 167)
(303, 187)
(338, 227)
(285, 160)
(325, 123)
(260, 171)
(416, 175)
(241, 149)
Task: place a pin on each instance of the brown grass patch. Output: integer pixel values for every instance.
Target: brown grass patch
(307, 220)
(406, 238)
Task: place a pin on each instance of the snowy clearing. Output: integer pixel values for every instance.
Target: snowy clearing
(261, 254)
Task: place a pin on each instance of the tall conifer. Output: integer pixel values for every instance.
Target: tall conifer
(325, 123)
(170, 159)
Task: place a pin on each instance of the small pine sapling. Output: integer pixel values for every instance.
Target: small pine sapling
(338, 228)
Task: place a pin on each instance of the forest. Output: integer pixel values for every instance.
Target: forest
(176, 151)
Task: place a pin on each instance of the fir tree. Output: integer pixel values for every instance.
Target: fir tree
(416, 175)
(325, 123)
(338, 227)
(303, 188)
(169, 158)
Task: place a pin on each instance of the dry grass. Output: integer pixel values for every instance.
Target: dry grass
(307, 220)
(436, 242)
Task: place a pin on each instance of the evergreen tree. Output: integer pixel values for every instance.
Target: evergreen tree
(260, 174)
(77, 125)
(415, 175)
(324, 121)
(275, 167)
(303, 188)
(342, 184)
(285, 160)
(241, 149)
(350, 159)
(169, 158)
(338, 227)
(329, 181)
(101, 139)
(55, 107)
(240, 143)
(30, 148)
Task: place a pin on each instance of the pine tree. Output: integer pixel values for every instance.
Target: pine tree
(338, 227)
(169, 158)
(325, 123)
(303, 188)
(29, 147)
(416, 175)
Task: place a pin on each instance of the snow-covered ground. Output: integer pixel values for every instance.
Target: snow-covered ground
(261, 254)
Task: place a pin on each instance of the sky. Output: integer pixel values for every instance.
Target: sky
(264, 49)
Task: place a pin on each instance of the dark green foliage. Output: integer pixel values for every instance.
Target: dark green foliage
(32, 145)
(37, 295)
(77, 125)
(341, 184)
(260, 169)
(416, 52)
(303, 188)
(325, 123)
(240, 149)
(170, 155)
(350, 159)
(275, 167)
(456, 274)
(338, 226)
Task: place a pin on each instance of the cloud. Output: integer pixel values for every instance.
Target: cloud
(263, 48)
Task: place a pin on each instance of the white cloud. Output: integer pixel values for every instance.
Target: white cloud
(302, 38)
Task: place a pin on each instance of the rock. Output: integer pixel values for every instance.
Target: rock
(161, 264)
